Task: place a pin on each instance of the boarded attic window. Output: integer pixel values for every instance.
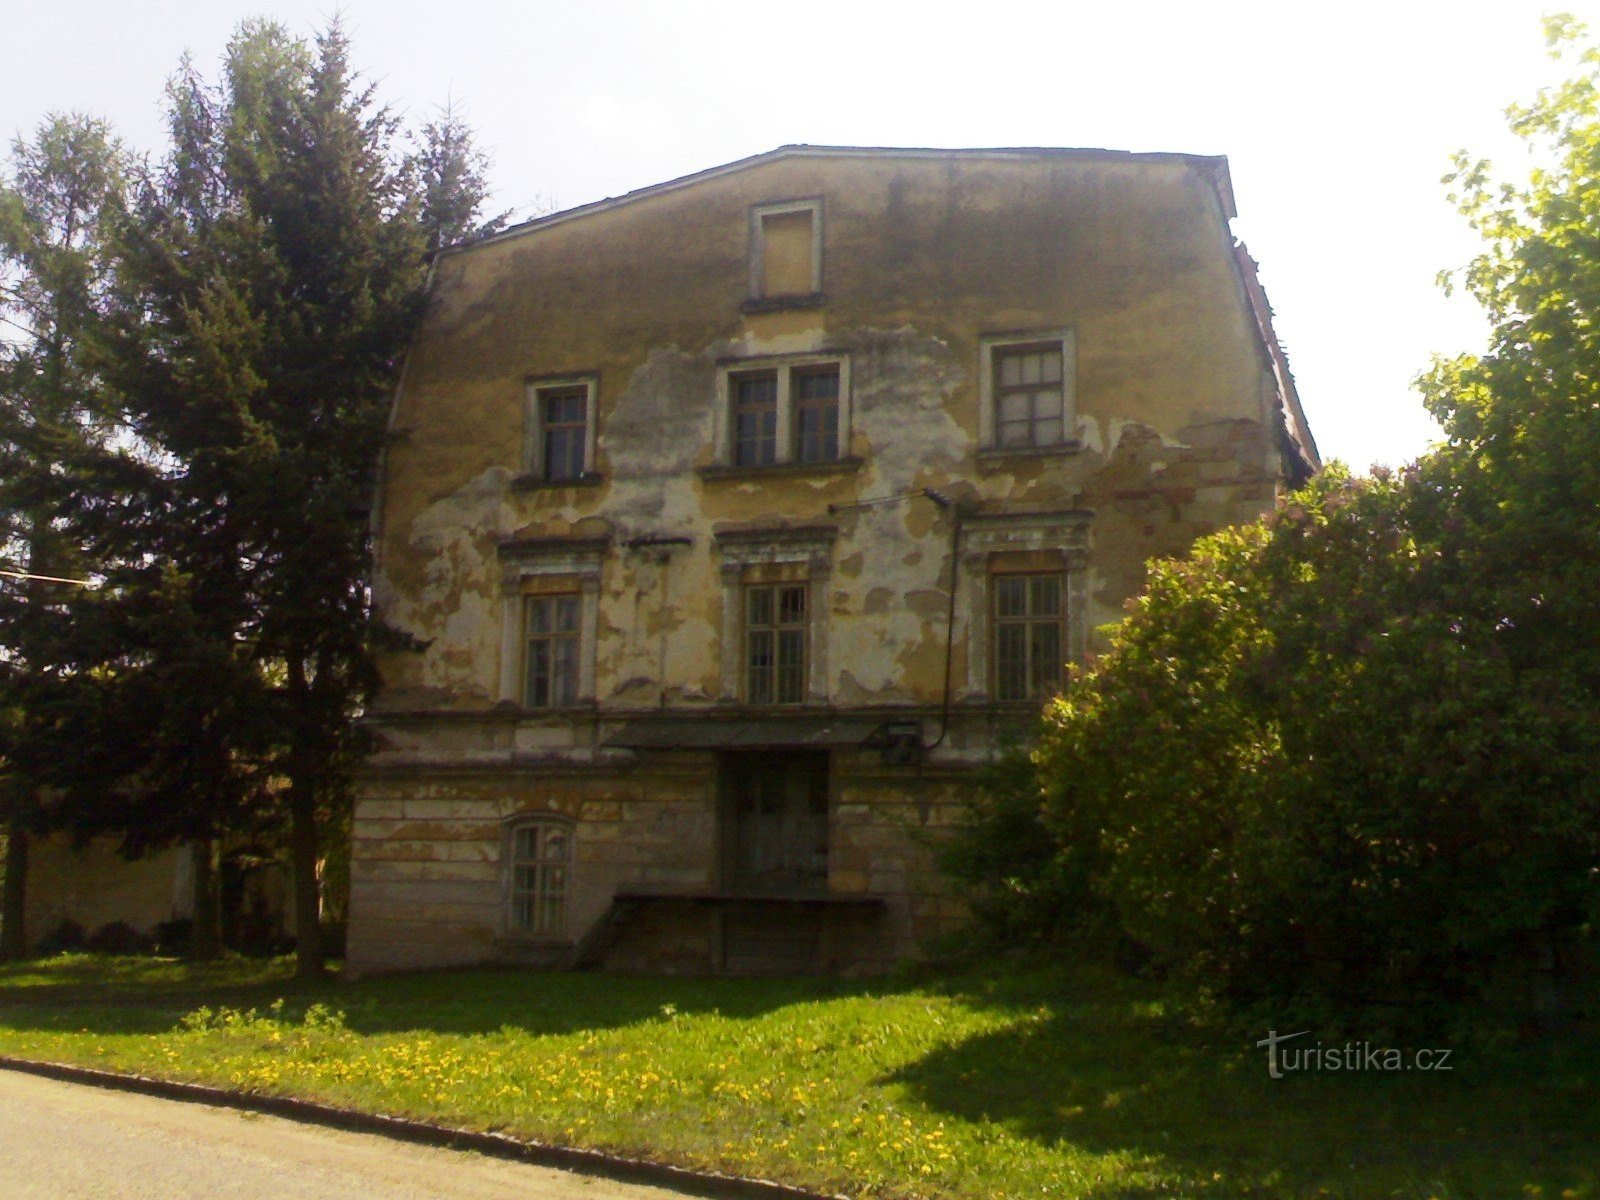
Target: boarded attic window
(786, 250)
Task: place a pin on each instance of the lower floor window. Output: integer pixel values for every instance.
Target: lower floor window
(1028, 613)
(541, 863)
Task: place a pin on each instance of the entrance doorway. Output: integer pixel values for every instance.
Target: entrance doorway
(775, 822)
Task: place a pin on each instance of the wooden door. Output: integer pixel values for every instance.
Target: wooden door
(776, 808)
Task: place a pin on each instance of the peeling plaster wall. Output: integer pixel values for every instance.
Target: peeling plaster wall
(922, 257)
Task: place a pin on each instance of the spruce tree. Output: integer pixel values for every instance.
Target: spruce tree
(276, 267)
(453, 182)
(57, 205)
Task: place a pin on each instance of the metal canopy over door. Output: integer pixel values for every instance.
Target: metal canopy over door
(776, 822)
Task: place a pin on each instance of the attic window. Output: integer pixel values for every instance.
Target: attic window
(1025, 392)
(786, 251)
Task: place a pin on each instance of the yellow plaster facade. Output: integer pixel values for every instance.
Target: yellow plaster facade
(735, 519)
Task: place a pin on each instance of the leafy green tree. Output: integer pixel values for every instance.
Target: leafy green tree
(58, 202)
(1351, 752)
(275, 269)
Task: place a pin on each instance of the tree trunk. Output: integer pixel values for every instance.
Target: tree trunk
(309, 960)
(14, 915)
(206, 945)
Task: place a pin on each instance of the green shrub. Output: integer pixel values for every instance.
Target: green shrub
(1317, 762)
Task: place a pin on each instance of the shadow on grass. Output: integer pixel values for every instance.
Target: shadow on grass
(148, 995)
(1075, 1059)
(1110, 1074)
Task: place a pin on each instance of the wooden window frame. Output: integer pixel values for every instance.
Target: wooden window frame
(533, 901)
(562, 688)
(1035, 687)
(764, 445)
(568, 566)
(799, 556)
(787, 374)
(540, 392)
(800, 405)
(785, 682)
(993, 350)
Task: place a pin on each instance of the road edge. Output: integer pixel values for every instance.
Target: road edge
(712, 1184)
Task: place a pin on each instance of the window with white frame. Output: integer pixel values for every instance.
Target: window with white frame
(1026, 391)
(539, 875)
(781, 412)
(560, 438)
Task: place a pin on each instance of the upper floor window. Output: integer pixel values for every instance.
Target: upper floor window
(1028, 397)
(566, 431)
(786, 250)
(1025, 391)
(795, 410)
(1026, 586)
(560, 435)
(755, 419)
(815, 404)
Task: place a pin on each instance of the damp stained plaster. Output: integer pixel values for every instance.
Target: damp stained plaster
(1129, 257)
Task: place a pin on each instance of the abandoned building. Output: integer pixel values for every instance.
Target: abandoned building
(736, 519)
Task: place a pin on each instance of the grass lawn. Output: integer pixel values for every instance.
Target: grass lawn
(1022, 1083)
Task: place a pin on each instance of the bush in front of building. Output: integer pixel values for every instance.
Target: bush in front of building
(1319, 764)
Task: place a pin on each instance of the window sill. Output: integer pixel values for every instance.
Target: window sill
(540, 941)
(537, 483)
(772, 304)
(834, 466)
(520, 711)
(1000, 454)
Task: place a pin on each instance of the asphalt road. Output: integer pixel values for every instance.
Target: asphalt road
(61, 1141)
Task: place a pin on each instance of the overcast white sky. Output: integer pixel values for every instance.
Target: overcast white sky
(1338, 119)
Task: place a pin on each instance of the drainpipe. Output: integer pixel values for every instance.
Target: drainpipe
(950, 617)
